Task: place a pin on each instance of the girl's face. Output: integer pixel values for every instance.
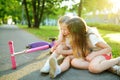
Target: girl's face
(64, 30)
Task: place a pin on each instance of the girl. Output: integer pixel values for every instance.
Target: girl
(89, 50)
(61, 47)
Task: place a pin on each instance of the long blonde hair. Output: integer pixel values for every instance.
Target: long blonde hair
(78, 30)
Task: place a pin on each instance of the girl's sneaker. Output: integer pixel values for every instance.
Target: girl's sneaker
(54, 68)
(115, 69)
(45, 68)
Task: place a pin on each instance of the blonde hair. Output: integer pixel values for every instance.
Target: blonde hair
(78, 30)
(62, 20)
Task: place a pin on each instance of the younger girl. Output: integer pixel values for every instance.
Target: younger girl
(62, 47)
(89, 50)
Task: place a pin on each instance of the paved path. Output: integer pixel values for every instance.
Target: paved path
(28, 65)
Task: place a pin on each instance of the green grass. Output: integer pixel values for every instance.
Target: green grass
(113, 39)
(45, 32)
(110, 33)
(108, 27)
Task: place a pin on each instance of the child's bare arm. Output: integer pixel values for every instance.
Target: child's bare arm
(63, 50)
(105, 49)
(67, 52)
(55, 45)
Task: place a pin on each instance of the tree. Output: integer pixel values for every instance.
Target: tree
(38, 9)
(24, 3)
(10, 8)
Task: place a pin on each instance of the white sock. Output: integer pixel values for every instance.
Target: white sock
(54, 55)
(58, 70)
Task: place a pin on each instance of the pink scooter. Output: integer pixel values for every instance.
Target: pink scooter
(36, 46)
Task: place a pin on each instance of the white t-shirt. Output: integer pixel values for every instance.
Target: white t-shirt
(94, 38)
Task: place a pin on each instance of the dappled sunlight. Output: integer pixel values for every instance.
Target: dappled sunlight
(116, 5)
(114, 37)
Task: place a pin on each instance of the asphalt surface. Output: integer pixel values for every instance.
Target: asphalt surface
(29, 65)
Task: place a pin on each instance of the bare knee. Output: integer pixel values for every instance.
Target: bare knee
(67, 60)
(73, 62)
(94, 68)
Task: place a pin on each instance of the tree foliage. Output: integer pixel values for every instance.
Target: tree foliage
(10, 8)
(40, 9)
(37, 10)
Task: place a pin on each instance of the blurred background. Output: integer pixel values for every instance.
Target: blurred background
(35, 13)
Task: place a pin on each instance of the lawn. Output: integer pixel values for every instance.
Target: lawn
(110, 34)
(45, 32)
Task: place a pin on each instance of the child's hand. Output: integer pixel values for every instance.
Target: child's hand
(53, 48)
(56, 43)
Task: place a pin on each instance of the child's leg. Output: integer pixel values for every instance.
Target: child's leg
(46, 67)
(55, 69)
(79, 63)
(65, 64)
(99, 64)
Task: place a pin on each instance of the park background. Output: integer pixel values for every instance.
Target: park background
(39, 17)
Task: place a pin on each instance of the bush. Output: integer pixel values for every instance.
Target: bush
(109, 27)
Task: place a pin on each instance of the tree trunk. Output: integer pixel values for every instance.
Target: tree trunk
(42, 10)
(27, 13)
(36, 7)
(80, 8)
(37, 12)
(3, 21)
